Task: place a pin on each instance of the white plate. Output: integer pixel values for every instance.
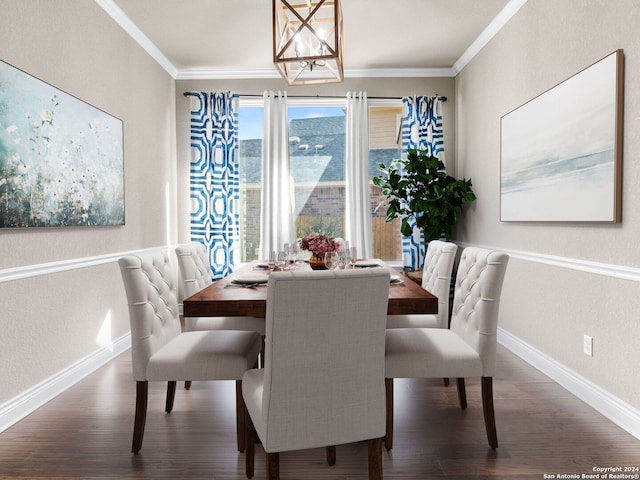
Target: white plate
(262, 265)
(366, 264)
(250, 278)
(395, 279)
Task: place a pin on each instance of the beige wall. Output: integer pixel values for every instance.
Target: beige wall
(552, 307)
(375, 87)
(51, 321)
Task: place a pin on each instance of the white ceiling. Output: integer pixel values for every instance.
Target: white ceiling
(232, 38)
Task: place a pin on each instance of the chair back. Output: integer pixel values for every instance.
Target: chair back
(476, 302)
(151, 291)
(436, 276)
(195, 270)
(325, 342)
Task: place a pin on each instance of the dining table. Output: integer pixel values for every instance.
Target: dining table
(229, 297)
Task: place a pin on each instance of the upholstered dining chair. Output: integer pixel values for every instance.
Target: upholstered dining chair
(195, 274)
(466, 349)
(436, 278)
(160, 352)
(323, 381)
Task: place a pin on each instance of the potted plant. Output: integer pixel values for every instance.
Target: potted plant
(318, 244)
(418, 187)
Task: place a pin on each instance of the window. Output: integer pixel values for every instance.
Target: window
(384, 146)
(316, 151)
(317, 146)
(249, 153)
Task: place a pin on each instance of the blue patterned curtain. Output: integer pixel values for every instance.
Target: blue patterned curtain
(215, 180)
(421, 130)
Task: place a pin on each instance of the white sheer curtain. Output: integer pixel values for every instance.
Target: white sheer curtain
(357, 202)
(276, 218)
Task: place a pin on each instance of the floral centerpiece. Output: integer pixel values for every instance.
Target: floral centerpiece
(318, 244)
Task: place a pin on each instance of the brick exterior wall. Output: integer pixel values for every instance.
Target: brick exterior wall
(323, 208)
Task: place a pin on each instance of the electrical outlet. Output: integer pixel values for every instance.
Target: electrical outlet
(588, 345)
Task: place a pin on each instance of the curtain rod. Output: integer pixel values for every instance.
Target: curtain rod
(443, 98)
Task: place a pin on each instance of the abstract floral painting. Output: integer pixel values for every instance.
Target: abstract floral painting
(562, 151)
(61, 159)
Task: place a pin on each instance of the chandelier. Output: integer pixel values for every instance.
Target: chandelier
(307, 41)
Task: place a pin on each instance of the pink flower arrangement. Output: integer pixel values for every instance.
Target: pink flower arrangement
(319, 243)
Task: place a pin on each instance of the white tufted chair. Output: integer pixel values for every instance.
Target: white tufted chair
(436, 278)
(323, 381)
(195, 274)
(467, 349)
(160, 352)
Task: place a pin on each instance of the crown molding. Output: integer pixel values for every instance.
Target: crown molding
(399, 72)
(207, 74)
(487, 34)
(132, 29)
(210, 74)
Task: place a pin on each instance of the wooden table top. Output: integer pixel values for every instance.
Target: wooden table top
(217, 300)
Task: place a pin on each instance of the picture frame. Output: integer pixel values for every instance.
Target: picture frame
(561, 152)
(61, 159)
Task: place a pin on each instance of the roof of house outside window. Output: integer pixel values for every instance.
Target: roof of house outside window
(314, 144)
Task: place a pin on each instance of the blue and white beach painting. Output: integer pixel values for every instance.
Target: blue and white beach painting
(61, 159)
(558, 151)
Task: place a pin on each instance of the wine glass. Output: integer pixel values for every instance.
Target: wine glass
(281, 260)
(272, 261)
(343, 258)
(294, 253)
(331, 260)
(353, 256)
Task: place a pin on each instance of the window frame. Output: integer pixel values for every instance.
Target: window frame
(313, 102)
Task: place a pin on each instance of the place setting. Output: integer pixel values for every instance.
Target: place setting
(366, 264)
(249, 280)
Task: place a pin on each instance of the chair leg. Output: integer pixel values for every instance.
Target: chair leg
(489, 414)
(142, 391)
(446, 382)
(375, 459)
(388, 437)
(250, 451)
(240, 417)
(262, 354)
(462, 394)
(273, 466)
(171, 395)
(187, 385)
(331, 455)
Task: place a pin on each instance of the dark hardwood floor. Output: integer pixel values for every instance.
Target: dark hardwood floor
(85, 433)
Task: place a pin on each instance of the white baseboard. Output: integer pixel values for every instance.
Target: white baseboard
(619, 412)
(616, 410)
(19, 407)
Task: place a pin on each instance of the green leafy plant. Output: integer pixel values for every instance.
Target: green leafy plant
(418, 187)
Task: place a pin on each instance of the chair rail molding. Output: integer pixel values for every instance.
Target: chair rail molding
(26, 271)
(607, 269)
